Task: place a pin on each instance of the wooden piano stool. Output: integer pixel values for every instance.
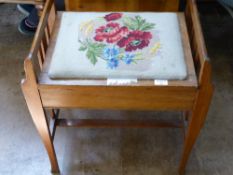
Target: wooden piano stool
(191, 95)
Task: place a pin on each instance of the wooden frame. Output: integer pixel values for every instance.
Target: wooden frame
(192, 96)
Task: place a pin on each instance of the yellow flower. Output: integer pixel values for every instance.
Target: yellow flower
(155, 48)
(89, 29)
(84, 24)
(86, 27)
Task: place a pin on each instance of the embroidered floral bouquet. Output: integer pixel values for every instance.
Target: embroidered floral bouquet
(118, 38)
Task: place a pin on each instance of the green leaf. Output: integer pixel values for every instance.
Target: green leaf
(137, 23)
(126, 20)
(97, 48)
(91, 56)
(94, 50)
(147, 26)
(131, 23)
(82, 48)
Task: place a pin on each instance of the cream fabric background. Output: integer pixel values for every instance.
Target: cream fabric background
(68, 62)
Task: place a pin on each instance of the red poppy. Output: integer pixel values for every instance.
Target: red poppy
(112, 32)
(113, 16)
(135, 40)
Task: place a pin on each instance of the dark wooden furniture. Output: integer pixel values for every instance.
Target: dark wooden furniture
(122, 5)
(192, 95)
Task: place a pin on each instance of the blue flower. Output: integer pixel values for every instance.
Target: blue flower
(110, 53)
(113, 63)
(128, 58)
(111, 56)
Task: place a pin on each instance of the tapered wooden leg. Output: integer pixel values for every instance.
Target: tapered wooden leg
(198, 116)
(36, 110)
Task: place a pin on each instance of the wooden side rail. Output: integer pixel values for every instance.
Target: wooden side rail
(197, 42)
(29, 84)
(199, 112)
(42, 37)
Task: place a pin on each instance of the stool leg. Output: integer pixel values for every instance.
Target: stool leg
(198, 116)
(36, 110)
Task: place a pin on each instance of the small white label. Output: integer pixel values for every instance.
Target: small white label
(117, 81)
(161, 82)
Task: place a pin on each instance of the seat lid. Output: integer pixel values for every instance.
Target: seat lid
(118, 45)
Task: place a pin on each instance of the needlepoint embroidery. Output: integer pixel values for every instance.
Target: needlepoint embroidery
(118, 38)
